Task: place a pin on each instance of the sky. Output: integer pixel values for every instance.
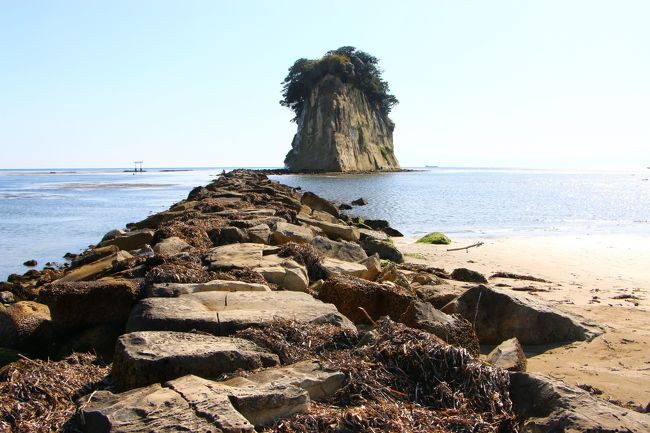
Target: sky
(540, 84)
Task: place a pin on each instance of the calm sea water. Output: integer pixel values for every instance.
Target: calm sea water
(43, 215)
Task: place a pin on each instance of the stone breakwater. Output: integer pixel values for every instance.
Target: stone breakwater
(253, 306)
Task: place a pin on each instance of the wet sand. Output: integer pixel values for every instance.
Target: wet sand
(604, 278)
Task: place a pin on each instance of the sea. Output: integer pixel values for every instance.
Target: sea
(45, 213)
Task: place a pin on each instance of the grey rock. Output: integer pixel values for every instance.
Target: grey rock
(130, 240)
(367, 233)
(468, 275)
(360, 202)
(285, 232)
(171, 246)
(502, 314)
(144, 358)
(224, 313)
(547, 405)
(113, 234)
(508, 355)
(348, 251)
(318, 203)
(385, 249)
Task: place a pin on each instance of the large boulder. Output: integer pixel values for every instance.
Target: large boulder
(128, 241)
(385, 249)
(439, 295)
(341, 267)
(348, 251)
(317, 203)
(547, 405)
(499, 315)
(144, 358)
(97, 268)
(77, 305)
(224, 313)
(333, 230)
(285, 232)
(508, 355)
(27, 326)
(171, 246)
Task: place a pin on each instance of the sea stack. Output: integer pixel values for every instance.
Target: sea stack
(341, 107)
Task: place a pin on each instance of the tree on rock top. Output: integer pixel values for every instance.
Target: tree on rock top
(350, 66)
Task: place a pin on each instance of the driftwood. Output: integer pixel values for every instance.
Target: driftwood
(478, 244)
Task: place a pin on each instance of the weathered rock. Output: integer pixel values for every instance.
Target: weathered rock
(323, 216)
(7, 298)
(547, 405)
(259, 234)
(367, 233)
(27, 326)
(289, 276)
(92, 255)
(373, 267)
(128, 241)
(239, 256)
(311, 376)
(170, 290)
(333, 231)
(383, 226)
(144, 358)
(468, 275)
(30, 263)
(75, 305)
(508, 355)
(345, 206)
(336, 267)
(285, 232)
(317, 203)
(439, 295)
(360, 201)
(348, 294)
(385, 249)
(233, 235)
(96, 269)
(99, 340)
(223, 313)
(339, 130)
(113, 234)
(501, 314)
(452, 329)
(171, 246)
(343, 250)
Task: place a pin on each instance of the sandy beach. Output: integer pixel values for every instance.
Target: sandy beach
(605, 279)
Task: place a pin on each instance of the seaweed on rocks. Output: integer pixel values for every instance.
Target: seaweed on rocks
(38, 396)
(306, 255)
(399, 379)
(181, 268)
(245, 275)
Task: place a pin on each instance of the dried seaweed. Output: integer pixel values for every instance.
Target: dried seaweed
(38, 396)
(306, 255)
(400, 379)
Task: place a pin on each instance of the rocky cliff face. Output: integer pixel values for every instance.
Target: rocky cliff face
(339, 131)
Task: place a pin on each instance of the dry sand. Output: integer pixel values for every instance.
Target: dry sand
(605, 279)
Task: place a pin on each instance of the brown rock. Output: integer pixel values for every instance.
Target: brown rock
(27, 326)
(508, 355)
(317, 203)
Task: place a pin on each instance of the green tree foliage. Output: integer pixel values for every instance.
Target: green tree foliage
(350, 66)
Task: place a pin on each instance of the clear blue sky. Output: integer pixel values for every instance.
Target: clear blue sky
(197, 83)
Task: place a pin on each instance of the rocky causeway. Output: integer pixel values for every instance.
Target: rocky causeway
(252, 306)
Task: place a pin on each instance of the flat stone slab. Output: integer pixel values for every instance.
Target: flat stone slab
(245, 255)
(224, 313)
(95, 269)
(191, 403)
(336, 266)
(170, 290)
(144, 358)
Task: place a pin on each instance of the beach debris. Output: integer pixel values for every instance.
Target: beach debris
(476, 245)
(513, 276)
(39, 396)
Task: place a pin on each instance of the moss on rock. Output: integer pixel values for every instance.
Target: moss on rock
(437, 238)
